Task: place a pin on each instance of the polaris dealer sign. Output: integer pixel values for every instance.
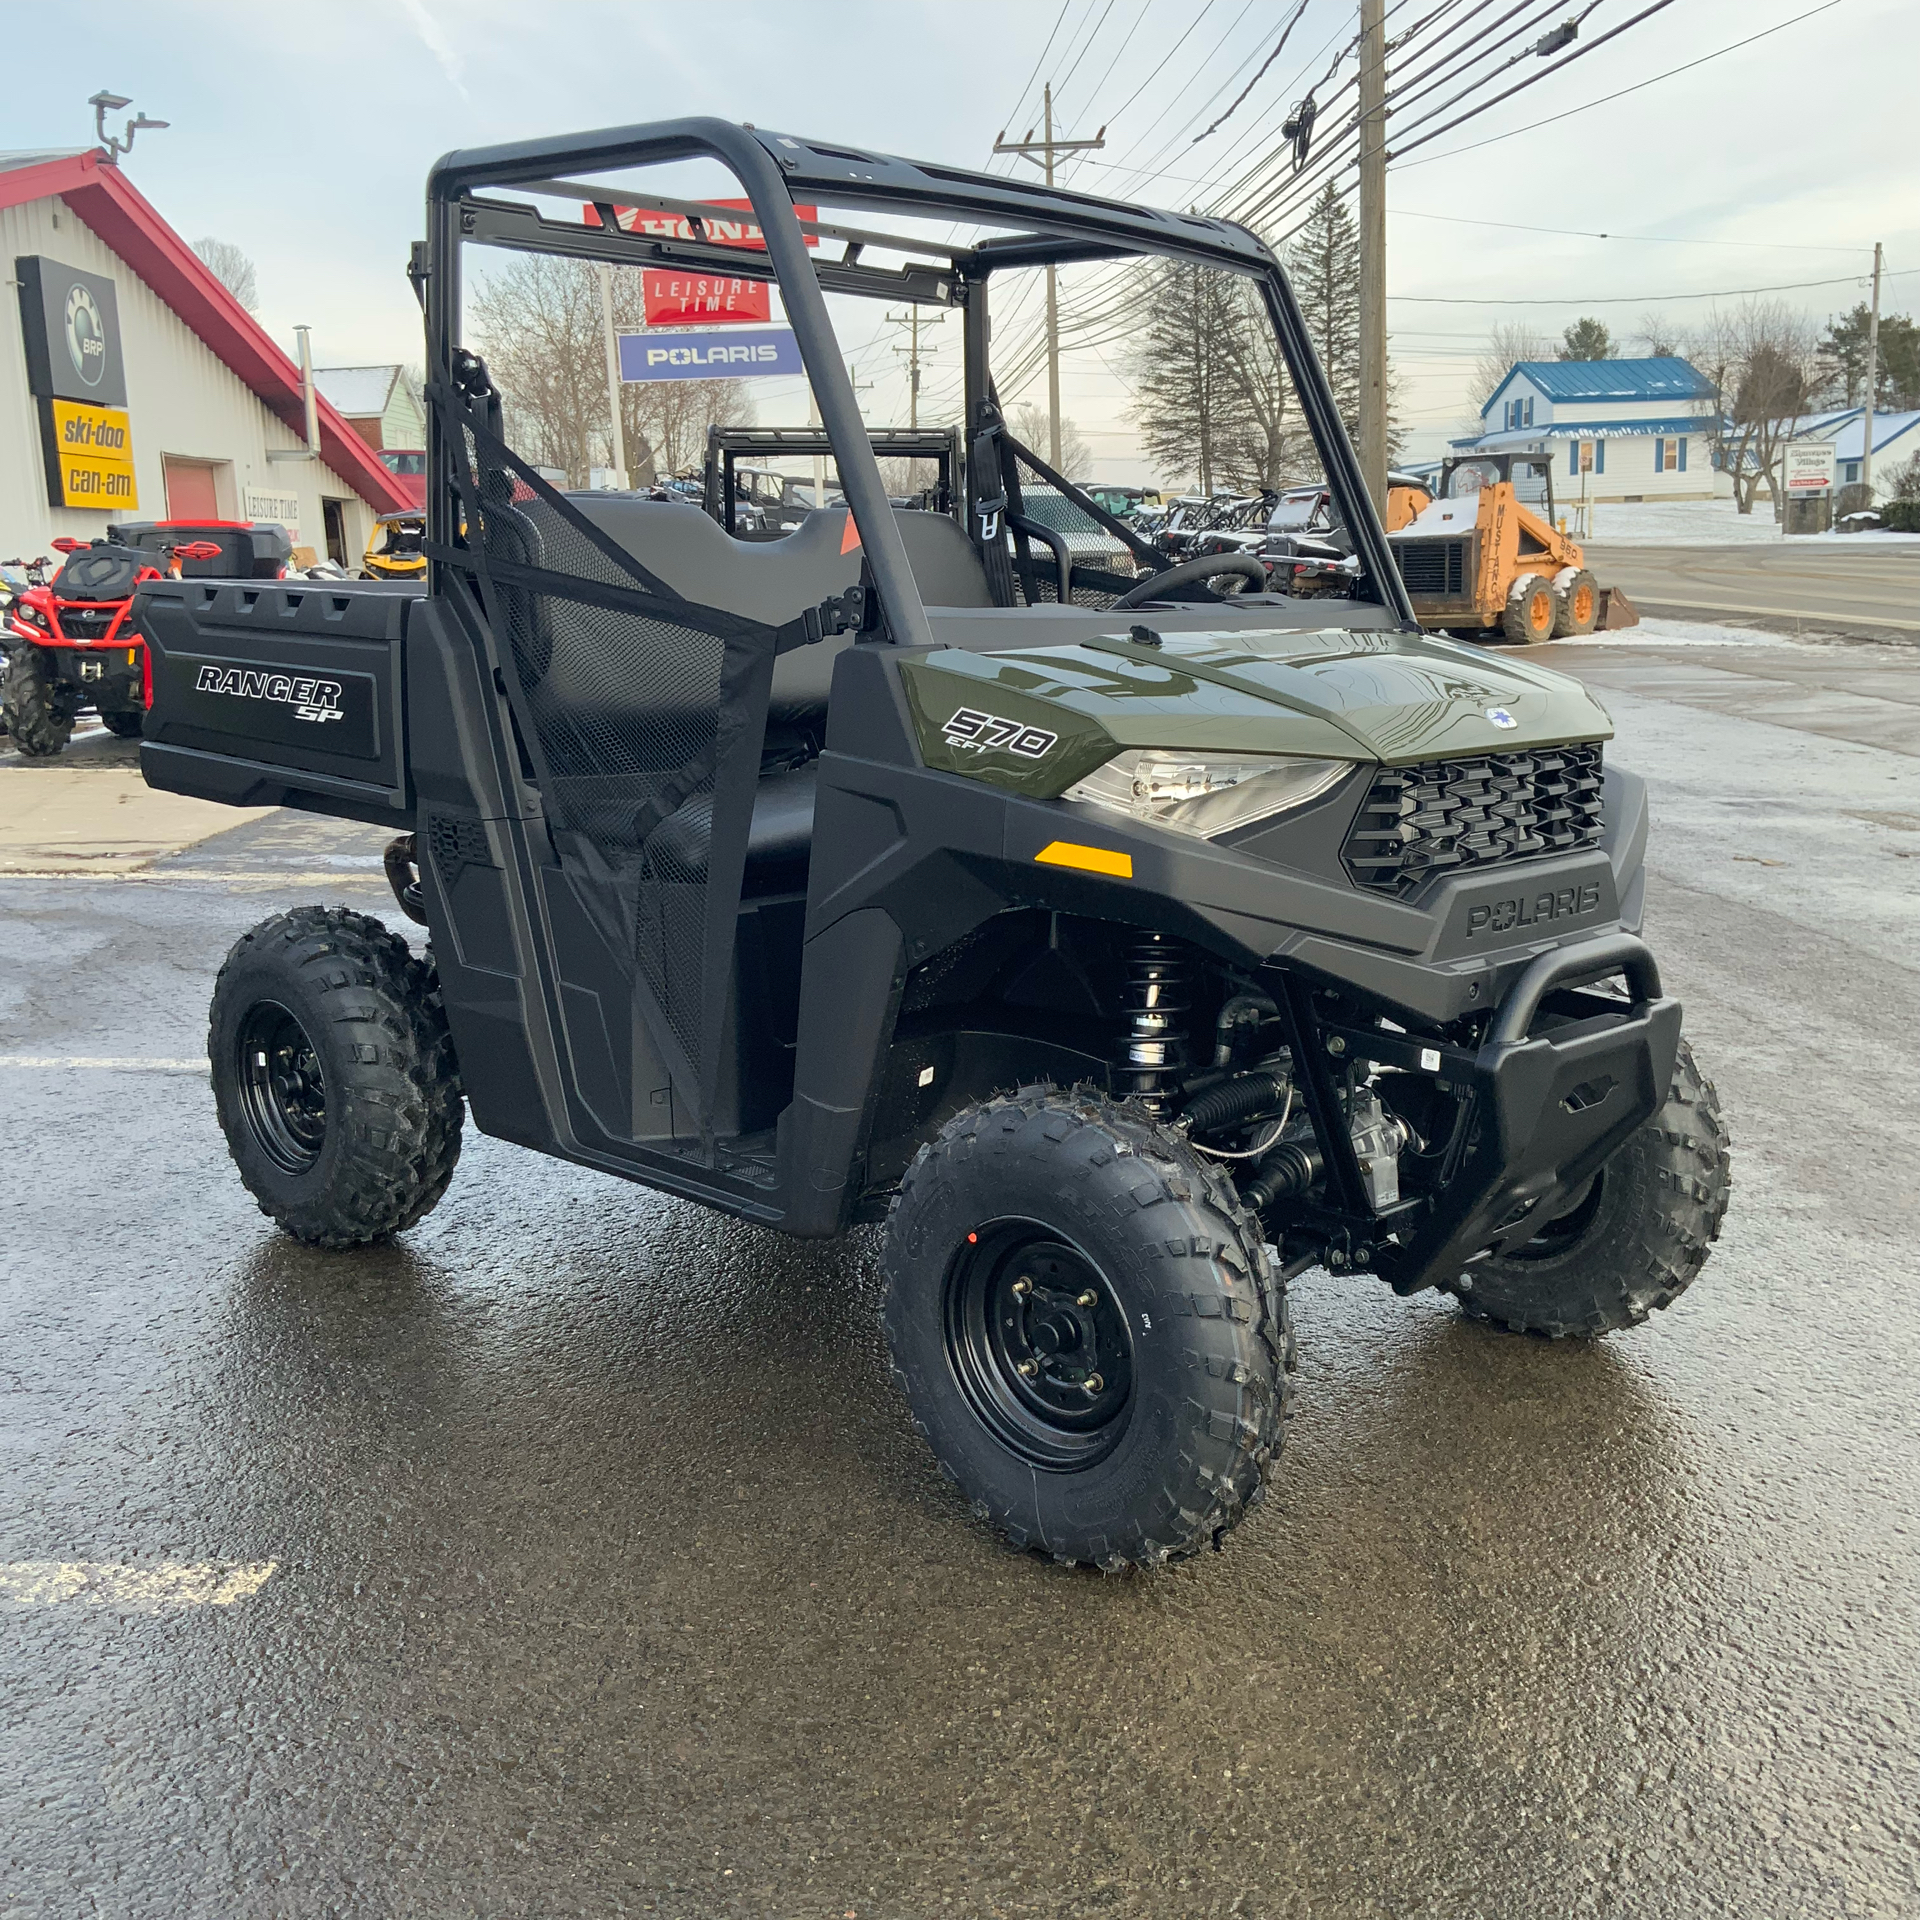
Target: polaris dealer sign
(684, 355)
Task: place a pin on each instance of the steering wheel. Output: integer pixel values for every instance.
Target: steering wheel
(1189, 573)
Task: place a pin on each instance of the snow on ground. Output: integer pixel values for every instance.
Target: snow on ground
(1698, 523)
(1654, 631)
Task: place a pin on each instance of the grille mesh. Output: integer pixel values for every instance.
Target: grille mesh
(1432, 566)
(1452, 815)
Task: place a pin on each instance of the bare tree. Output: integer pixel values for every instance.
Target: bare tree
(1508, 341)
(232, 267)
(1761, 360)
(538, 321)
(1029, 423)
(1655, 337)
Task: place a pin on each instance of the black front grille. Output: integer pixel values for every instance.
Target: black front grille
(87, 623)
(1432, 566)
(1451, 815)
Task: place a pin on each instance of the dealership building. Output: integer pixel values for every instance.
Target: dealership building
(134, 386)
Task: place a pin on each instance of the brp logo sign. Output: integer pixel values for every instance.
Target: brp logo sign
(1501, 717)
(86, 335)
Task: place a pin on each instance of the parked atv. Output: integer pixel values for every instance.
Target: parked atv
(1127, 947)
(72, 645)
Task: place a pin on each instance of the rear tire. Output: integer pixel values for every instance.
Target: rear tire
(1578, 595)
(1530, 611)
(126, 722)
(1124, 1406)
(334, 1076)
(37, 723)
(1632, 1241)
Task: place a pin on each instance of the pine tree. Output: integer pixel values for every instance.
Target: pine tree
(1185, 380)
(1324, 265)
(1843, 361)
(1587, 339)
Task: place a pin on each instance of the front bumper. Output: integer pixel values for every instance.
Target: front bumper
(1548, 1110)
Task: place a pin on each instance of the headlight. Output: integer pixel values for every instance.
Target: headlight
(1206, 793)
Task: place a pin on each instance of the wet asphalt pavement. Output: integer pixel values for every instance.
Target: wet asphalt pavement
(609, 1577)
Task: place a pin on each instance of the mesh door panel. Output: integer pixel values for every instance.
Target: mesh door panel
(1103, 564)
(648, 731)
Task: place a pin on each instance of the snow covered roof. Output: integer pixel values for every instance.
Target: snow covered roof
(1665, 379)
(361, 393)
(1520, 438)
(1887, 428)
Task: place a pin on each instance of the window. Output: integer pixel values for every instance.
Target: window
(1669, 456)
(1529, 419)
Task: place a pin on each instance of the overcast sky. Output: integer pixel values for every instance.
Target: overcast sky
(305, 136)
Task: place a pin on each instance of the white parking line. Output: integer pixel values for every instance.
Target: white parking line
(164, 1587)
(110, 1063)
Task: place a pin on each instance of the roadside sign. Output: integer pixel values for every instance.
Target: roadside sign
(1809, 466)
(89, 455)
(682, 355)
(720, 232)
(703, 299)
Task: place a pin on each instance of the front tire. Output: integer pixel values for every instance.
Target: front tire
(38, 722)
(125, 722)
(1632, 1241)
(334, 1076)
(1578, 597)
(1531, 611)
(1089, 1329)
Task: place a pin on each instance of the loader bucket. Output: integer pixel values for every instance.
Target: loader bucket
(1616, 611)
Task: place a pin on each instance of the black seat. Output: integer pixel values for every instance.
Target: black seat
(779, 839)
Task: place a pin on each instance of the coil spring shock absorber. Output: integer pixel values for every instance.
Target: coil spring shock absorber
(1155, 1050)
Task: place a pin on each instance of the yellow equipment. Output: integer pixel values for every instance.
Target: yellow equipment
(393, 548)
(1480, 556)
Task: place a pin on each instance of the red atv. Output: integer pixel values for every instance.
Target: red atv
(73, 645)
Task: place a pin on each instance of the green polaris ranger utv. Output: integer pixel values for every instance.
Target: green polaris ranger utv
(1125, 944)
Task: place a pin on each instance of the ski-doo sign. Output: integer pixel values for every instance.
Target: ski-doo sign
(684, 355)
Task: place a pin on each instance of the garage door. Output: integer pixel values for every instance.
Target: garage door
(191, 494)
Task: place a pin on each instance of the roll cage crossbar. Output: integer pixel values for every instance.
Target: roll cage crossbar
(1053, 226)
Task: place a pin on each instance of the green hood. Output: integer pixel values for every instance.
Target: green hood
(1398, 698)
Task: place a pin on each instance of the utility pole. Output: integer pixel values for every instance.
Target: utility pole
(912, 321)
(1373, 250)
(1873, 374)
(859, 387)
(1048, 147)
(612, 343)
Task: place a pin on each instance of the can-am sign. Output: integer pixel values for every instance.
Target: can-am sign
(720, 231)
(681, 355)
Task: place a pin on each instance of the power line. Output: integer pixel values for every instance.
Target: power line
(1652, 80)
(1631, 299)
(1286, 33)
(1589, 233)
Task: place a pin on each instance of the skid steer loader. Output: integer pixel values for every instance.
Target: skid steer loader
(1485, 557)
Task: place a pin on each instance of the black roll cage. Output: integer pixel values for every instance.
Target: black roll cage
(1056, 227)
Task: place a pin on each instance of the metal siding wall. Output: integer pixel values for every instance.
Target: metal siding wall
(181, 399)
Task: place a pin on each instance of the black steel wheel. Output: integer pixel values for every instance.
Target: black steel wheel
(1039, 1344)
(1089, 1328)
(334, 1076)
(283, 1091)
(124, 722)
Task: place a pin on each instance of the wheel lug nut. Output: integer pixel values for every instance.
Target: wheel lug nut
(1093, 1383)
(1088, 1299)
(1029, 1369)
(1023, 1286)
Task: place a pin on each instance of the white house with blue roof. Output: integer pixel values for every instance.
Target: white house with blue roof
(1637, 429)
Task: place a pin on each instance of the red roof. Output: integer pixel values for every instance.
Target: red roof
(101, 195)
